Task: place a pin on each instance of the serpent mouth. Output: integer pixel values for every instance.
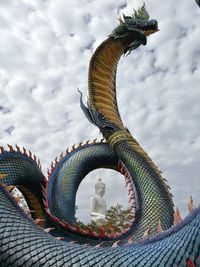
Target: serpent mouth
(149, 32)
(137, 35)
(150, 28)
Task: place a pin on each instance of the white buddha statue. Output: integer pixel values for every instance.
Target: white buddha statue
(98, 204)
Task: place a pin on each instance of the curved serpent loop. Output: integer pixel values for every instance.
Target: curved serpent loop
(51, 237)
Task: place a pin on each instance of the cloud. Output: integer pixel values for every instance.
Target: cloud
(44, 54)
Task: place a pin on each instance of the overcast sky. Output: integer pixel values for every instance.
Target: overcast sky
(45, 49)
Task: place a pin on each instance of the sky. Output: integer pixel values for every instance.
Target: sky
(45, 50)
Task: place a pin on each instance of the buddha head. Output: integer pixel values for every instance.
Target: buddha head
(100, 188)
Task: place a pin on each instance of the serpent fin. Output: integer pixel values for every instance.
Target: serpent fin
(131, 240)
(159, 228)
(100, 245)
(116, 244)
(85, 109)
(177, 216)
(95, 117)
(190, 262)
(147, 233)
(61, 238)
(190, 204)
(48, 230)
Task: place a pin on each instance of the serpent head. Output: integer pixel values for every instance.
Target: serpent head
(135, 28)
(198, 2)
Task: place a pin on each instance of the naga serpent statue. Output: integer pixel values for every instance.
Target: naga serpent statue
(157, 235)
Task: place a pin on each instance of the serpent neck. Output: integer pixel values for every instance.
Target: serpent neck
(102, 80)
(102, 92)
(102, 97)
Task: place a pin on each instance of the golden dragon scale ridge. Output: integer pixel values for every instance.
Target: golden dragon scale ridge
(102, 93)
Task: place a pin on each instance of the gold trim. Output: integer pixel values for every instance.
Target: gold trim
(124, 136)
(119, 137)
